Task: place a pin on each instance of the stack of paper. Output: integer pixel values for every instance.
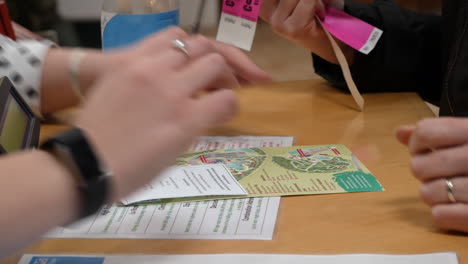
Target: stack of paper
(189, 181)
(438, 258)
(248, 218)
(260, 172)
(204, 197)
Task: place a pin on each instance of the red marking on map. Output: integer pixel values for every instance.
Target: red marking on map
(301, 153)
(335, 151)
(203, 159)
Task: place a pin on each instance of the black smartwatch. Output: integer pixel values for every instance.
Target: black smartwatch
(93, 179)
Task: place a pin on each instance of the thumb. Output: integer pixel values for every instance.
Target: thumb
(215, 108)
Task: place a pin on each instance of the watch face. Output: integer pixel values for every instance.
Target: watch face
(19, 128)
(13, 126)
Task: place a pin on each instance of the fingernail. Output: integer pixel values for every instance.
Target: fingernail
(405, 127)
(408, 127)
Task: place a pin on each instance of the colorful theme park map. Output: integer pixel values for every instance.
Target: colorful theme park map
(285, 171)
(291, 170)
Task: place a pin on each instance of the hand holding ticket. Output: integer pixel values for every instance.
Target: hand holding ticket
(354, 32)
(357, 34)
(301, 23)
(296, 21)
(314, 24)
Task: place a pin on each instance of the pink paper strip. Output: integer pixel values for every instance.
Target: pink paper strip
(351, 30)
(247, 9)
(232, 7)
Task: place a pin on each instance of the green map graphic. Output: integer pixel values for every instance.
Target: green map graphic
(285, 171)
(323, 164)
(241, 162)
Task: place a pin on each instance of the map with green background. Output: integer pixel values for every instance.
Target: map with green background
(285, 171)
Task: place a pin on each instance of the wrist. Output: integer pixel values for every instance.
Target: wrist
(96, 64)
(89, 65)
(104, 148)
(64, 185)
(93, 65)
(91, 176)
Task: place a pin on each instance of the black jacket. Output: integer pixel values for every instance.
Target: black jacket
(418, 52)
(35, 15)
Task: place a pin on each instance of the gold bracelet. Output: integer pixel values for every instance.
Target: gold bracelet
(74, 63)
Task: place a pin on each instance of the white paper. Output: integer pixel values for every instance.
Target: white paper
(372, 41)
(251, 218)
(436, 258)
(256, 217)
(236, 31)
(189, 181)
(210, 143)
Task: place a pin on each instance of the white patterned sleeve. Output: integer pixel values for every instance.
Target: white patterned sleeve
(21, 62)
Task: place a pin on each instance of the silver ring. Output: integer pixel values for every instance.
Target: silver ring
(450, 192)
(181, 45)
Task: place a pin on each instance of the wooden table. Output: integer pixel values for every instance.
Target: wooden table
(394, 221)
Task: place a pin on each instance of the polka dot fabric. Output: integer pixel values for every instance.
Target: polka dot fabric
(22, 62)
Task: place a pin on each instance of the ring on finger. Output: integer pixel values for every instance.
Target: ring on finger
(450, 192)
(181, 45)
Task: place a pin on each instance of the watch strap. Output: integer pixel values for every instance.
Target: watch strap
(93, 183)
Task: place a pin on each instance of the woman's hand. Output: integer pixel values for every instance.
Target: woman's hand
(153, 46)
(143, 109)
(243, 68)
(440, 152)
(147, 112)
(56, 81)
(296, 20)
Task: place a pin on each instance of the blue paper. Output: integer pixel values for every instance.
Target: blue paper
(66, 260)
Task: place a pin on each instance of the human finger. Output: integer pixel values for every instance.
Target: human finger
(215, 108)
(182, 51)
(442, 163)
(403, 134)
(436, 192)
(267, 9)
(198, 46)
(303, 17)
(451, 216)
(242, 65)
(159, 42)
(282, 12)
(433, 134)
(206, 73)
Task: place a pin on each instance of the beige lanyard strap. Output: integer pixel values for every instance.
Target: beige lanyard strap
(346, 71)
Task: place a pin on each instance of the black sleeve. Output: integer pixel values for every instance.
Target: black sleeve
(408, 57)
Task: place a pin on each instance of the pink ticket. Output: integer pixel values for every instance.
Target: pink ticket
(351, 30)
(247, 9)
(231, 7)
(238, 22)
